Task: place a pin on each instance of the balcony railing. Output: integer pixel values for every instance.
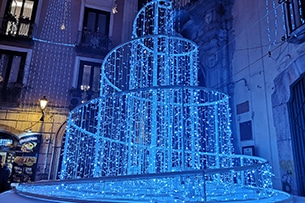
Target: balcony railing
(93, 42)
(294, 14)
(17, 27)
(78, 97)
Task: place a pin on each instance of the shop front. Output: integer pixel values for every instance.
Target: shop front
(20, 154)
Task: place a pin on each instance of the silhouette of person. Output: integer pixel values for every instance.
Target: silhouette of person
(4, 176)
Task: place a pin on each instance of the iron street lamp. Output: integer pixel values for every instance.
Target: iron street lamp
(43, 104)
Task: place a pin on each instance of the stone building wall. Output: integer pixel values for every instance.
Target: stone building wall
(292, 68)
(209, 24)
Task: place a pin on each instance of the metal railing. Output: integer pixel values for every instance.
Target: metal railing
(17, 27)
(94, 40)
(249, 179)
(294, 14)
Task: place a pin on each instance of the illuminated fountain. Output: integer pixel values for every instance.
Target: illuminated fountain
(153, 135)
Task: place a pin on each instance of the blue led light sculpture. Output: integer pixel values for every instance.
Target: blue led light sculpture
(153, 135)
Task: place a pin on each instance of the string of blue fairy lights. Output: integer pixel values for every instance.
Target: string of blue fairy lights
(54, 43)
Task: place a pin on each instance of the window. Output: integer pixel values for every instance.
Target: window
(89, 76)
(141, 3)
(245, 129)
(88, 83)
(242, 107)
(96, 21)
(11, 74)
(95, 30)
(20, 14)
(294, 14)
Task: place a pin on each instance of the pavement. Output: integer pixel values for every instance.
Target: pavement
(298, 199)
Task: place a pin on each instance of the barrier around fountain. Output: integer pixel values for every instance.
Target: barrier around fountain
(250, 183)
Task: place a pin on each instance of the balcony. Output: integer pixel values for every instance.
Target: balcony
(16, 30)
(297, 36)
(294, 15)
(92, 43)
(78, 96)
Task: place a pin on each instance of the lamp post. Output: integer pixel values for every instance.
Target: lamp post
(43, 104)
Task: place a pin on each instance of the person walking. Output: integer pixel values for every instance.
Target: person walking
(4, 176)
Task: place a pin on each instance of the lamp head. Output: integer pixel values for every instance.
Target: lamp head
(43, 103)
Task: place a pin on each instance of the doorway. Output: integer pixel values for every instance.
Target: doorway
(297, 125)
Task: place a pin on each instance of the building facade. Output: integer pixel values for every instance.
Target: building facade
(53, 49)
(253, 51)
(257, 57)
(268, 72)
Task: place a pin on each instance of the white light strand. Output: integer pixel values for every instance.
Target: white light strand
(284, 21)
(301, 12)
(275, 23)
(268, 25)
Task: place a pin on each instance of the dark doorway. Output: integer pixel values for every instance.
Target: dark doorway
(297, 125)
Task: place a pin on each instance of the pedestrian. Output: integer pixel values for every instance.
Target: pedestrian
(4, 176)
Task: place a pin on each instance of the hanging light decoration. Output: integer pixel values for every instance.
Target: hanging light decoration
(153, 135)
(115, 7)
(48, 57)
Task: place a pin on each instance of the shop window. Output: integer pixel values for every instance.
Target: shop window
(11, 74)
(19, 17)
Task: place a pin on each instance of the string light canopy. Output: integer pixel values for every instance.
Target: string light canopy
(153, 135)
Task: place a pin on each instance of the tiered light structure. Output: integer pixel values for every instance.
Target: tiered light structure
(151, 116)
(153, 135)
